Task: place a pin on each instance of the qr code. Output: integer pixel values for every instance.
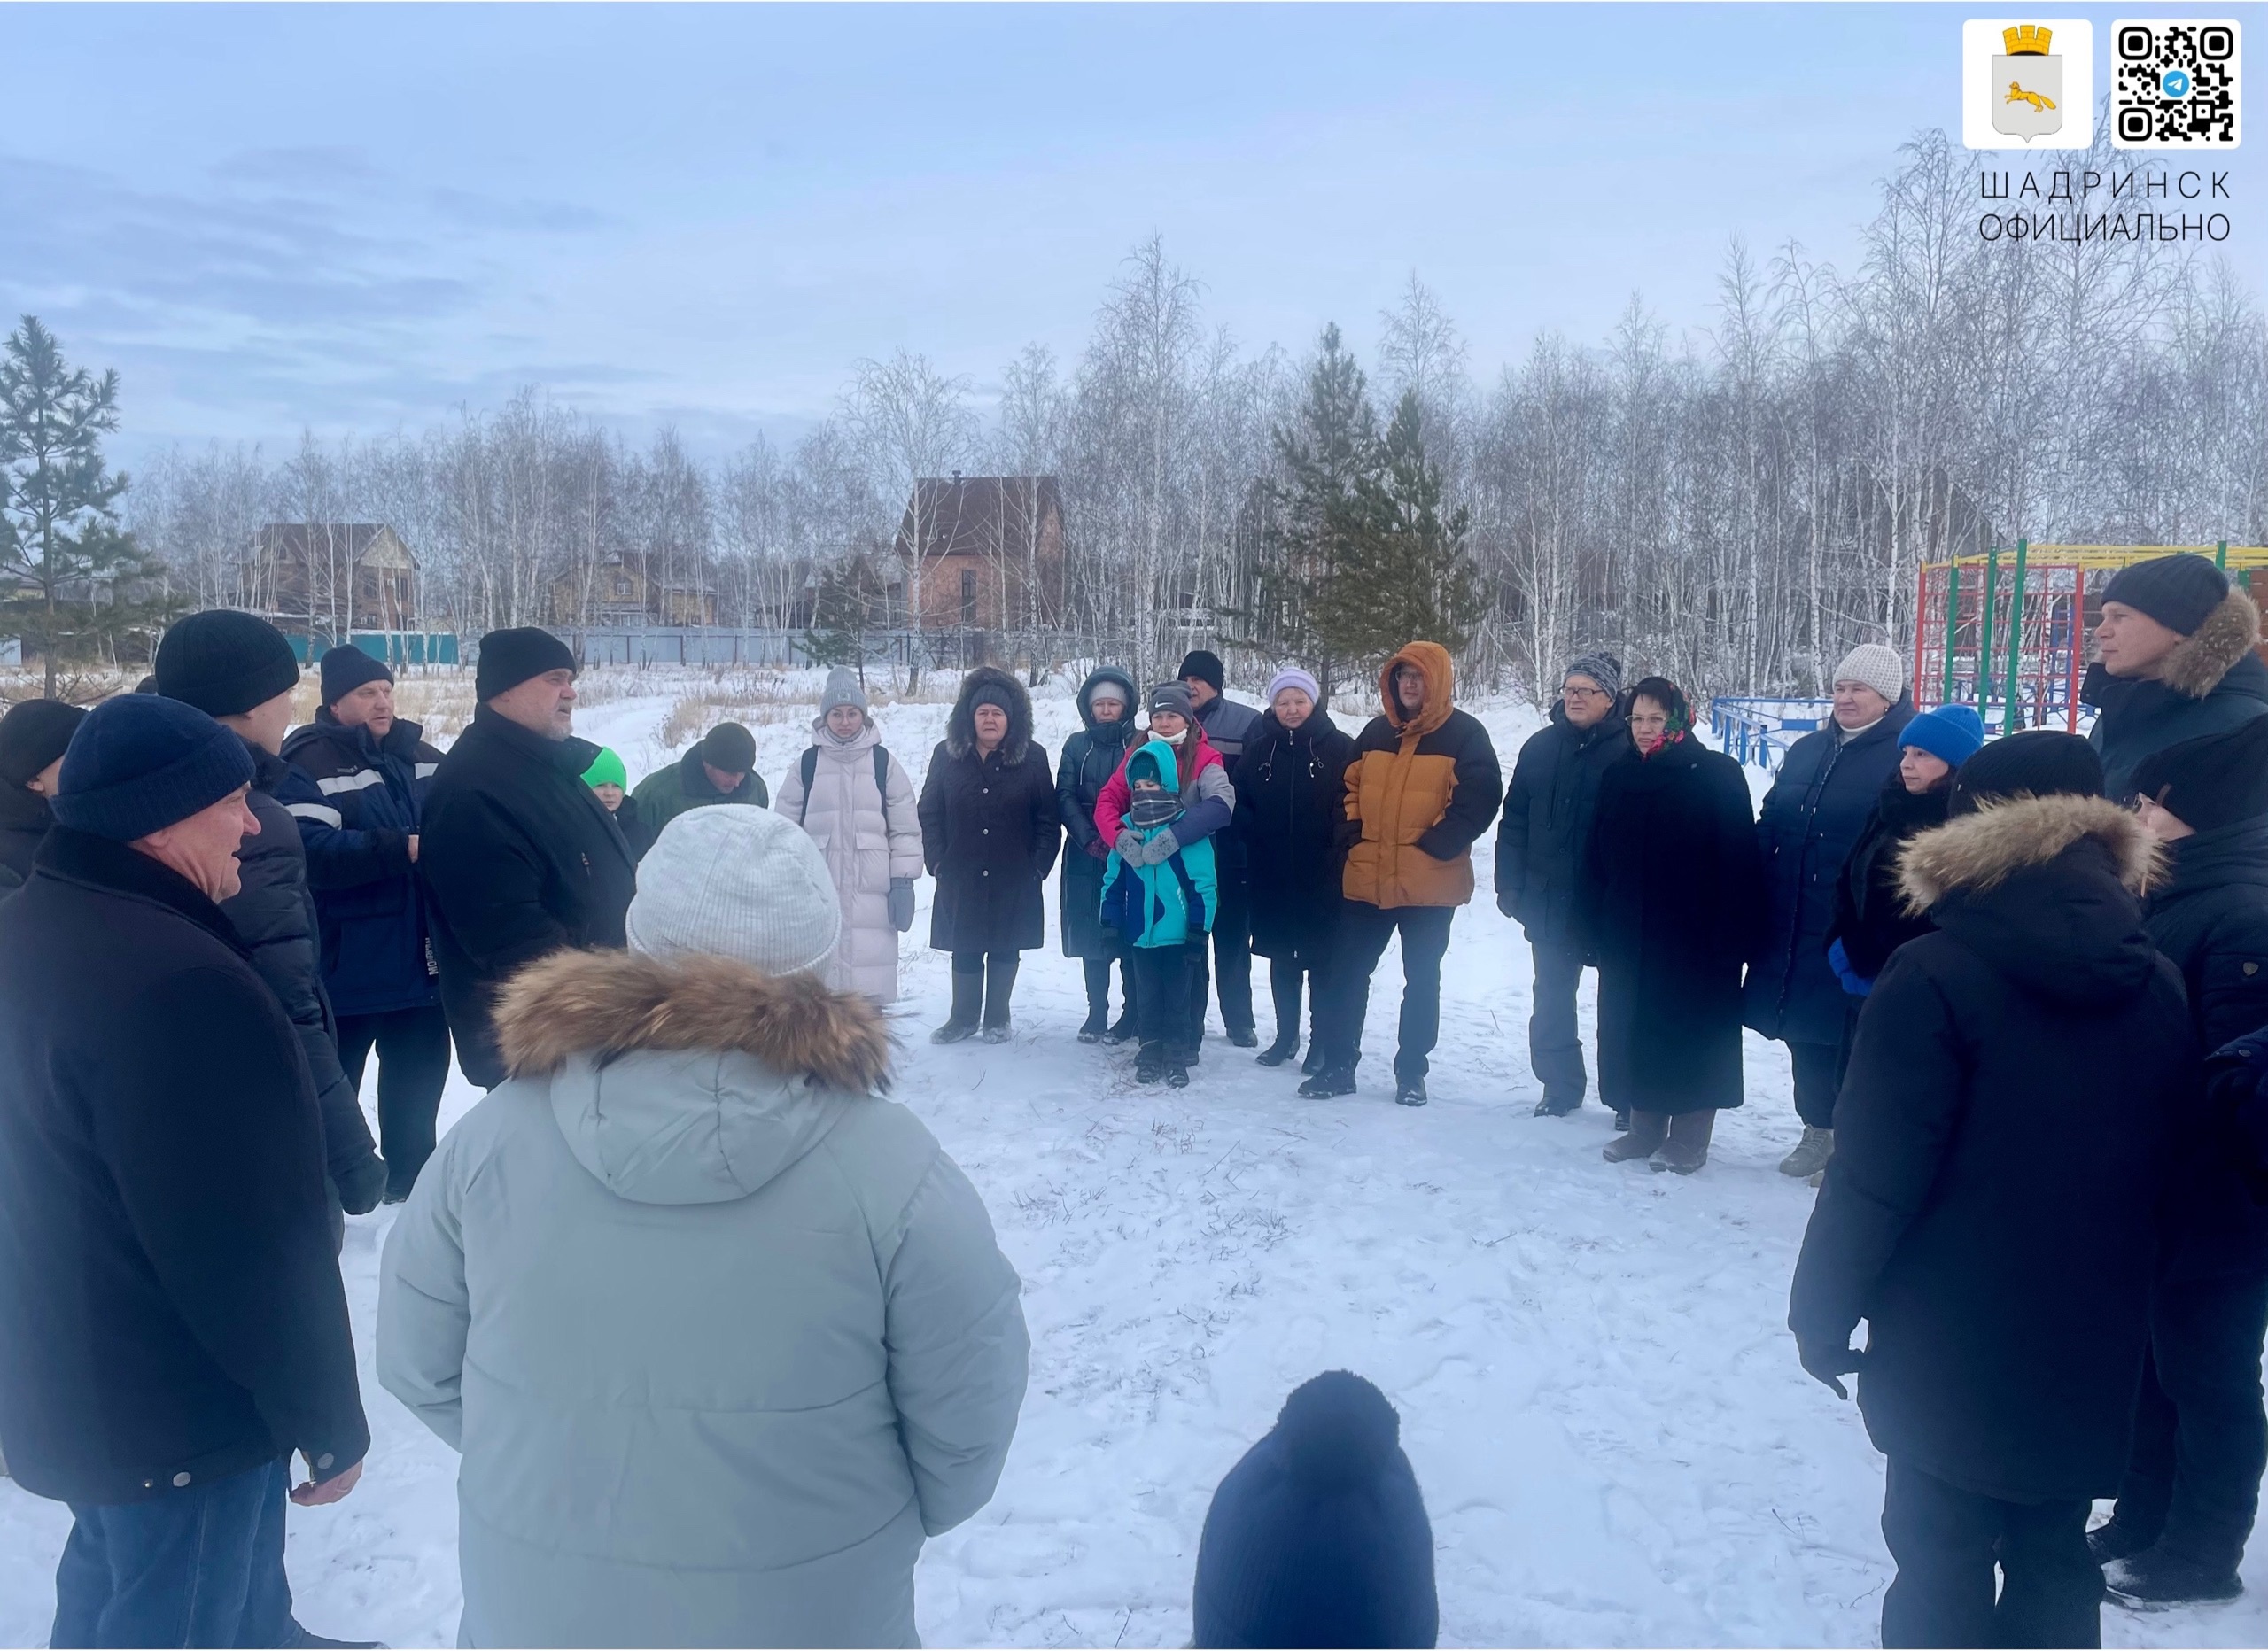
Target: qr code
(2173, 85)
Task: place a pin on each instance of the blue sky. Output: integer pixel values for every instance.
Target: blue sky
(349, 217)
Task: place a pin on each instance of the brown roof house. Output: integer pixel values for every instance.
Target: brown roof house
(985, 553)
(328, 578)
(628, 591)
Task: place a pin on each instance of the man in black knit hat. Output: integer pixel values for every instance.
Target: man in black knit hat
(720, 767)
(2175, 661)
(240, 671)
(520, 859)
(33, 737)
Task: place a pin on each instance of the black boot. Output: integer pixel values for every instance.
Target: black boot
(1128, 1026)
(999, 987)
(1097, 1021)
(1285, 1046)
(1409, 1092)
(2114, 1538)
(1176, 1075)
(1150, 1063)
(969, 1004)
(1284, 986)
(2154, 1579)
(1330, 1080)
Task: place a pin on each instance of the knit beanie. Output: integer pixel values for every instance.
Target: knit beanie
(1171, 696)
(224, 662)
(1878, 667)
(2218, 779)
(33, 734)
(508, 658)
(143, 762)
(2040, 762)
(1952, 733)
(1293, 676)
(841, 689)
(1602, 667)
(729, 748)
(1319, 1535)
(743, 883)
(606, 770)
(347, 668)
(993, 695)
(1203, 665)
(2180, 592)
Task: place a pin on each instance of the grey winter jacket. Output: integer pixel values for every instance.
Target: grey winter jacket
(865, 843)
(720, 1335)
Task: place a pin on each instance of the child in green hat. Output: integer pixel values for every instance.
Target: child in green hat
(609, 782)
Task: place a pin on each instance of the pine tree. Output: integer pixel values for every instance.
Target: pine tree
(850, 597)
(78, 572)
(1403, 573)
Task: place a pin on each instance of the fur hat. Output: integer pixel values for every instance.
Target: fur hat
(2180, 592)
(743, 883)
(1878, 667)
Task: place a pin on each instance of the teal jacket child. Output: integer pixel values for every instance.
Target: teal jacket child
(1164, 895)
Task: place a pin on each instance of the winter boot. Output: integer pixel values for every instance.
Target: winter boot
(1285, 1046)
(999, 986)
(1558, 1105)
(1244, 1037)
(1644, 1132)
(1313, 1064)
(1000, 1034)
(1811, 1154)
(1150, 1063)
(2155, 1580)
(968, 1005)
(1687, 1147)
(1097, 1021)
(1409, 1092)
(1121, 1030)
(2116, 1538)
(1176, 1075)
(1622, 1119)
(1329, 1082)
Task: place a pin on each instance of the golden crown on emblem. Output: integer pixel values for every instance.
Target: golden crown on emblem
(2028, 40)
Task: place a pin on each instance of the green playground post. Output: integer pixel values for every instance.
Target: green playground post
(1952, 621)
(2221, 556)
(2016, 639)
(1985, 632)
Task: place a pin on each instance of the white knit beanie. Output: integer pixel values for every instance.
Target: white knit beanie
(1876, 666)
(734, 881)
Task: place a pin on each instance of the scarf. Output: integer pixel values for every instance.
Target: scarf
(1172, 740)
(1149, 812)
(1668, 739)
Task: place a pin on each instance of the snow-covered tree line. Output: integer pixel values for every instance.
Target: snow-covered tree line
(1733, 500)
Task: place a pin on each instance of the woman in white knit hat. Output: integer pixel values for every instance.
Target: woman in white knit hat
(721, 1334)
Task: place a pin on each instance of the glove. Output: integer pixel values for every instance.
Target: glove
(1129, 845)
(1856, 984)
(1097, 849)
(1161, 849)
(360, 1187)
(1830, 1362)
(901, 903)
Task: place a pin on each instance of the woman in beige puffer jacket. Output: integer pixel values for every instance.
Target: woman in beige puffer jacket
(873, 844)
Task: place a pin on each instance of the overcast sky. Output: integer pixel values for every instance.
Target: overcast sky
(349, 217)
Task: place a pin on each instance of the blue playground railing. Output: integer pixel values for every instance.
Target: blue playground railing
(1760, 730)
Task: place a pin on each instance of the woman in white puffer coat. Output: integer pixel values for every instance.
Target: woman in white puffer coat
(856, 801)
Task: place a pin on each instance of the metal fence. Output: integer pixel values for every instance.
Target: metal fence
(1759, 730)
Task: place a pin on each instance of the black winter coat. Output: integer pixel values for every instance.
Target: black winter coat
(2003, 1143)
(170, 1308)
(629, 820)
(990, 828)
(1870, 916)
(1090, 758)
(274, 913)
(519, 859)
(2209, 917)
(2211, 682)
(1810, 821)
(24, 821)
(1667, 908)
(358, 802)
(1290, 802)
(1230, 725)
(1542, 839)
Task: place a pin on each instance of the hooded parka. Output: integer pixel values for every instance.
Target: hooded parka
(2003, 1143)
(2211, 682)
(990, 828)
(1292, 793)
(1421, 789)
(868, 839)
(1090, 758)
(720, 1335)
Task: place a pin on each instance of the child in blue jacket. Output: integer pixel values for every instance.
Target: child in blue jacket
(1159, 891)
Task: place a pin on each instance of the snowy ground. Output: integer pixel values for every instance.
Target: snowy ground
(1614, 1439)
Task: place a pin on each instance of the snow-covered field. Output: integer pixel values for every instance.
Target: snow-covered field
(1603, 1408)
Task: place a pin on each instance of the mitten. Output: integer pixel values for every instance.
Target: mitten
(901, 903)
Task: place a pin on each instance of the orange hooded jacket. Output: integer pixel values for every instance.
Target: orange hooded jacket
(1420, 790)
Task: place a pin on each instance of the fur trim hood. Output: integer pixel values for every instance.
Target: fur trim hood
(1979, 851)
(2200, 659)
(960, 727)
(1440, 671)
(607, 1004)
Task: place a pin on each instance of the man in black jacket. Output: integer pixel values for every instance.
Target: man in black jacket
(1228, 724)
(519, 859)
(240, 671)
(33, 737)
(2005, 1140)
(2201, 1438)
(2175, 661)
(172, 1324)
(1540, 845)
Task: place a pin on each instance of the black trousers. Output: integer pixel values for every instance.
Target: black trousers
(995, 971)
(1819, 1079)
(1289, 979)
(1947, 1542)
(413, 1046)
(1231, 957)
(1168, 999)
(2201, 1435)
(1555, 1049)
(1097, 971)
(1363, 931)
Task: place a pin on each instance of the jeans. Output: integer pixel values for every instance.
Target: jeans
(1819, 1079)
(2201, 1438)
(1947, 1542)
(1555, 1049)
(1363, 931)
(996, 971)
(196, 1567)
(1169, 1003)
(1231, 955)
(413, 1047)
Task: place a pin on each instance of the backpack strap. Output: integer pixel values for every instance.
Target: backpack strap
(810, 768)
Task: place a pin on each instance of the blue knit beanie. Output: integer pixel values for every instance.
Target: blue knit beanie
(1319, 1535)
(1952, 733)
(142, 762)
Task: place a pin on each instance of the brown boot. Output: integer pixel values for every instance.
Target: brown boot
(1646, 1133)
(1688, 1146)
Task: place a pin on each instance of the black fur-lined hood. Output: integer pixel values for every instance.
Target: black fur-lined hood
(961, 728)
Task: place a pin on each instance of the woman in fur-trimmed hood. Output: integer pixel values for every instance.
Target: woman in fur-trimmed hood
(2177, 660)
(2004, 1139)
(721, 1334)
